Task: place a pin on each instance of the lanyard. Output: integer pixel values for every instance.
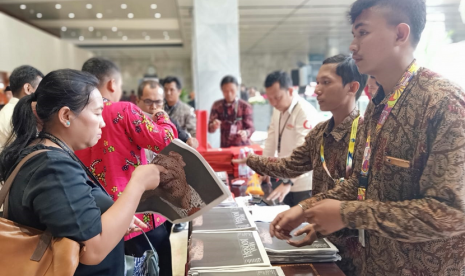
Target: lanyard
(350, 151)
(364, 173)
(225, 111)
(280, 133)
(75, 158)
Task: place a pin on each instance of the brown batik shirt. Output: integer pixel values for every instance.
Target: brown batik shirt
(414, 215)
(306, 158)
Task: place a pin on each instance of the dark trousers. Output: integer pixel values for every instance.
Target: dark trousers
(160, 240)
(292, 198)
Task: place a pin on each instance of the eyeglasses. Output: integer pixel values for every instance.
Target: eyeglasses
(150, 102)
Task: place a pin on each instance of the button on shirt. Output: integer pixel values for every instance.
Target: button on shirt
(5, 121)
(296, 122)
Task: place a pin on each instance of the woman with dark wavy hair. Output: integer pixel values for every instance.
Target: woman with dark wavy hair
(53, 190)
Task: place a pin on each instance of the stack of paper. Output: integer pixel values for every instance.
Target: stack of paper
(224, 219)
(280, 251)
(226, 250)
(252, 271)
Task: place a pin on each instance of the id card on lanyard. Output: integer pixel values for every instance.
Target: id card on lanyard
(233, 129)
(365, 171)
(350, 151)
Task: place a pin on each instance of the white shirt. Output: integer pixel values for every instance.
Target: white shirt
(302, 118)
(6, 126)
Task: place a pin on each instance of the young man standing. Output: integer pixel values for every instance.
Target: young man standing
(406, 195)
(292, 119)
(328, 148)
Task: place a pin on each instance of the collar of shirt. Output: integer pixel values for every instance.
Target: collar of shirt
(295, 100)
(230, 104)
(14, 100)
(343, 128)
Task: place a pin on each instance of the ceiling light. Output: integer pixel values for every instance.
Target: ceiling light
(157, 15)
(63, 29)
(104, 37)
(71, 15)
(39, 15)
(114, 29)
(130, 15)
(153, 6)
(125, 38)
(147, 37)
(23, 7)
(89, 6)
(124, 6)
(81, 38)
(57, 6)
(99, 15)
(91, 29)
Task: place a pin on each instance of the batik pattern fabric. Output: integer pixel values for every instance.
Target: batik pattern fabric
(121, 149)
(414, 212)
(305, 158)
(184, 115)
(226, 114)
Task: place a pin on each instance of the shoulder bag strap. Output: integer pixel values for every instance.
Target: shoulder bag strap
(4, 192)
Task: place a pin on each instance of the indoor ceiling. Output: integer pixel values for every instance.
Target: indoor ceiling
(163, 28)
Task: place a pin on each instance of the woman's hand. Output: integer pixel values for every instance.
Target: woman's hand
(148, 176)
(137, 225)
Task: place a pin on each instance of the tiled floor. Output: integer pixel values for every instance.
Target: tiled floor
(179, 252)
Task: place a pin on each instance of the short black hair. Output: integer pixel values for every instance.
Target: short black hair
(152, 83)
(101, 68)
(8, 88)
(229, 79)
(348, 71)
(171, 79)
(22, 75)
(282, 77)
(411, 12)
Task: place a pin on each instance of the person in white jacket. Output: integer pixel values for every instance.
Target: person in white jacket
(293, 117)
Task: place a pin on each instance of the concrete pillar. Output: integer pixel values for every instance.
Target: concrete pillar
(333, 47)
(215, 51)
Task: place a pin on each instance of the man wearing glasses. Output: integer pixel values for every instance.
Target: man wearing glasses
(150, 99)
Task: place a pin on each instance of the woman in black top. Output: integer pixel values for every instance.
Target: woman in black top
(52, 190)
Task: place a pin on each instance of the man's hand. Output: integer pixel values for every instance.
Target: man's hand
(239, 161)
(280, 192)
(326, 217)
(154, 117)
(310, 236)
(193, 142)
(287, 221)
(243, 134)
(216, 124)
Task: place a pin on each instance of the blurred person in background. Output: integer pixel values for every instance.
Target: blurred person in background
(176, 109)
(8, 93)
(292, 119)
(150, 98)
(121, 150)
(23, 81)
(244, 93)
(372, 86)
(232, 115)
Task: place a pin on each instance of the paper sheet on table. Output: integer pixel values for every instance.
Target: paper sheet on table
(267, 213)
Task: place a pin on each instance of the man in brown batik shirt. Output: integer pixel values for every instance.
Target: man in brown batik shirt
(413, 215)
(339, 85)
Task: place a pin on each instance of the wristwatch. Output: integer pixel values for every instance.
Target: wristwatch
(287, 181)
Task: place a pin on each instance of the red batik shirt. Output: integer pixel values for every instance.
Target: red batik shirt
(226, 113)
(121, 149)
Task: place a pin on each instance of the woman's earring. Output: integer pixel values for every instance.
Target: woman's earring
(68, 123)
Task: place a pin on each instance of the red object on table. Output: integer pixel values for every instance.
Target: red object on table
(202, 129)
